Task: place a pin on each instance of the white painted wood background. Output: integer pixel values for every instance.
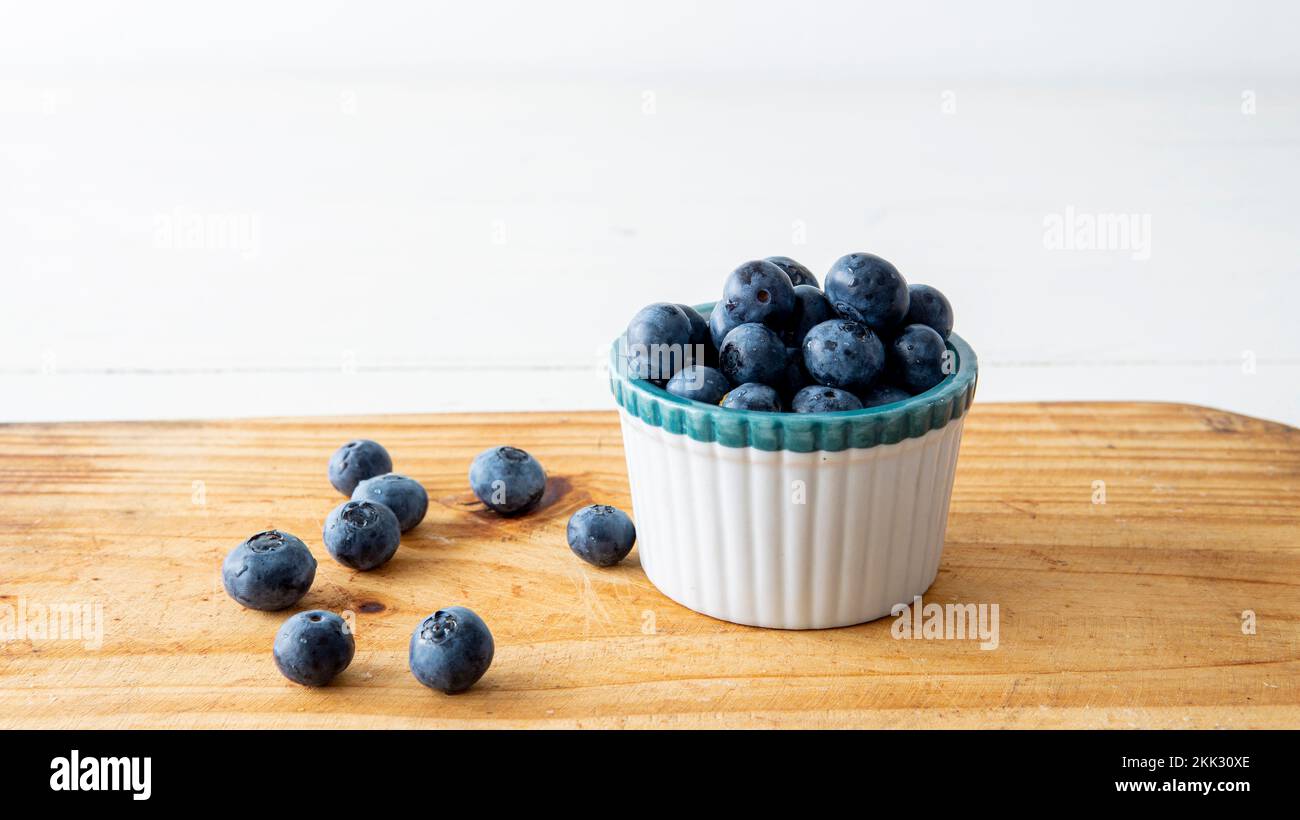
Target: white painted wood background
(315, 209)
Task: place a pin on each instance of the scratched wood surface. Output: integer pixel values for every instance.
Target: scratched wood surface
(1127, 613)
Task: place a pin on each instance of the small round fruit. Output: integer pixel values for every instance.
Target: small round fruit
(702, 351)
(753, 353)
(271, 570)
(601, 535)
(753, 396)
(699, 383)
(816, 398)
(450, 650)
(658, 342)
(867, 289)
(843, 353)
(811, 308)
(927, 306)
(356, 461)
(362, 534)
(313, 647)
(916, 358)
(404, 496)
(799, 275)
(507, 479)
(759, 291)
(720, 324)
(882, 393)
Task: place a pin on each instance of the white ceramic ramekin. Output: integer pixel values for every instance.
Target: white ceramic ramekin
(792, 521)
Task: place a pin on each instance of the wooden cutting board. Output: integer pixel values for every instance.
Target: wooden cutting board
(1127, 613)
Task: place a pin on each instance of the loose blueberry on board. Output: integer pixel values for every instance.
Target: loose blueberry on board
(799, 275)
(753, 353)
(362, 534)
(816, 398)
(356, 461)
(882, 393)
(759, 291)
(269, 571)
(313, 647)
(720, 324)
(843, 353)
(753, 397)
(927, 306)
(658, 342)
(601, 535)
(811, 308)
(404, 496)
(699, 383)
(507, 479)
(450, 650)
(867, 289)
(916, 358)
(703, 351)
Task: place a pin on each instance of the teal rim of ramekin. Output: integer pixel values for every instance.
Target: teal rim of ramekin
(800, 432)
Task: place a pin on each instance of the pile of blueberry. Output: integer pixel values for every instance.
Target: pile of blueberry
(450, 649)
(777, 340)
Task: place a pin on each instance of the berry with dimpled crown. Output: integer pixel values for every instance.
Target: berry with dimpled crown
(507, 479)
(269, 571)
(450, 650)
(867, 289)
(313, 647)
(362, 534)
(601, 535)
(356, 461)
(404, 496)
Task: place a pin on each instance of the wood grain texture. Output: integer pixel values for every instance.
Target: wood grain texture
(1126, 614)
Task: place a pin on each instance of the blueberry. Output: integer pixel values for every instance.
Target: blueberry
(843, 353)
(658, 342)
(720, 324)
(703, 351)
(356, 461)
(799, 275)
(601, 535)
(753, 353)
(927, 306)
(699, 383)
(916, 358)
(269, 571)
(362, 534)
(759, 291)
(818, 399)
(404, 496)
(867, 289)
(796, 375)
(507, 479)
(882, 393)
(313, 647)
(811, 308)
(753, 397)
(450, 650)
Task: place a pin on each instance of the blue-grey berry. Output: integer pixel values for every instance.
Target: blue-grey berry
(313, 647)
(927, 306)
(816, 398)
(843, 353)
(271, 570)
(867, 289)
(450, 650)
(601, 535)
(916, 358)
(699, 383)
(362, 534)
(799, 275)
(356, 461)
(752, 396)
(508, 480)
(404, 496)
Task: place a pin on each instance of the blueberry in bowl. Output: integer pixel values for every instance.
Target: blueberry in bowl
(508, 480)
(799, 275)
(867, 289)
(658, 342)
(816, 398)
(927, 306)
(753, 353)
(882, 393)
(811, 308)
(362, 535)
(269, 571)
(312, 648)
(699, 383)
(917, 358)
(759, 291)
(450, 650)
(843, 353)
(406, 497)
(752, 396)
